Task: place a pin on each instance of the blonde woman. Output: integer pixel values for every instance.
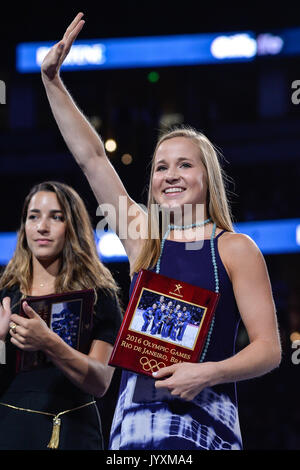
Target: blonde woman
(185, 406)
(55, 253)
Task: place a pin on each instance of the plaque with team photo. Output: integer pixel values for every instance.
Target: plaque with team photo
(69, 315)
(166, 322)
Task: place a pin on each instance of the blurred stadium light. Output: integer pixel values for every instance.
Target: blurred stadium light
(187, 49)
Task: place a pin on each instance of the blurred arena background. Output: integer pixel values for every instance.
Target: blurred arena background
(244, 106)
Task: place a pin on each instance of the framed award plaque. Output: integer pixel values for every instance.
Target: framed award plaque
(69, 314)
(166, 322)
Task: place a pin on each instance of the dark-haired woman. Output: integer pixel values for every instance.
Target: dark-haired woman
(55, 253)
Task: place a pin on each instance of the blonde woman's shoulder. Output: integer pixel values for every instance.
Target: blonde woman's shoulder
(235, 248)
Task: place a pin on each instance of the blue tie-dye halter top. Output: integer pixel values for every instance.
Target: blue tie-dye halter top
(150, 419)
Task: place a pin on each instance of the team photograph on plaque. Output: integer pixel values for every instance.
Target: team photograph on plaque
(166, 322)
(168, 318)
(69, 315)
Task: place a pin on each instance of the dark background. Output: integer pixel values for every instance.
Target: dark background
(245, 109)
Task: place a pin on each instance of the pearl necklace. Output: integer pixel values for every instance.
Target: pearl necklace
(214, 262)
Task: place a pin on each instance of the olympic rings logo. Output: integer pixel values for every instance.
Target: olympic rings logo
(151, 365)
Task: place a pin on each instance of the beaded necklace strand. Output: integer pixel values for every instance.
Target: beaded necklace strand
(214, 262)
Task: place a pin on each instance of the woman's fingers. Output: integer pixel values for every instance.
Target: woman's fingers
(6, 304)
(5, 314)
(19, 333)
(73, 25)
(72, 31)
(72, 35)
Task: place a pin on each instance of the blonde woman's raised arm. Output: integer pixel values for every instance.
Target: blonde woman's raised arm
(83, 141)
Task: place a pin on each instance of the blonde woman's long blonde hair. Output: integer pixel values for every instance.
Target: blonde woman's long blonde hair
(80, 266)
(216, 202)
